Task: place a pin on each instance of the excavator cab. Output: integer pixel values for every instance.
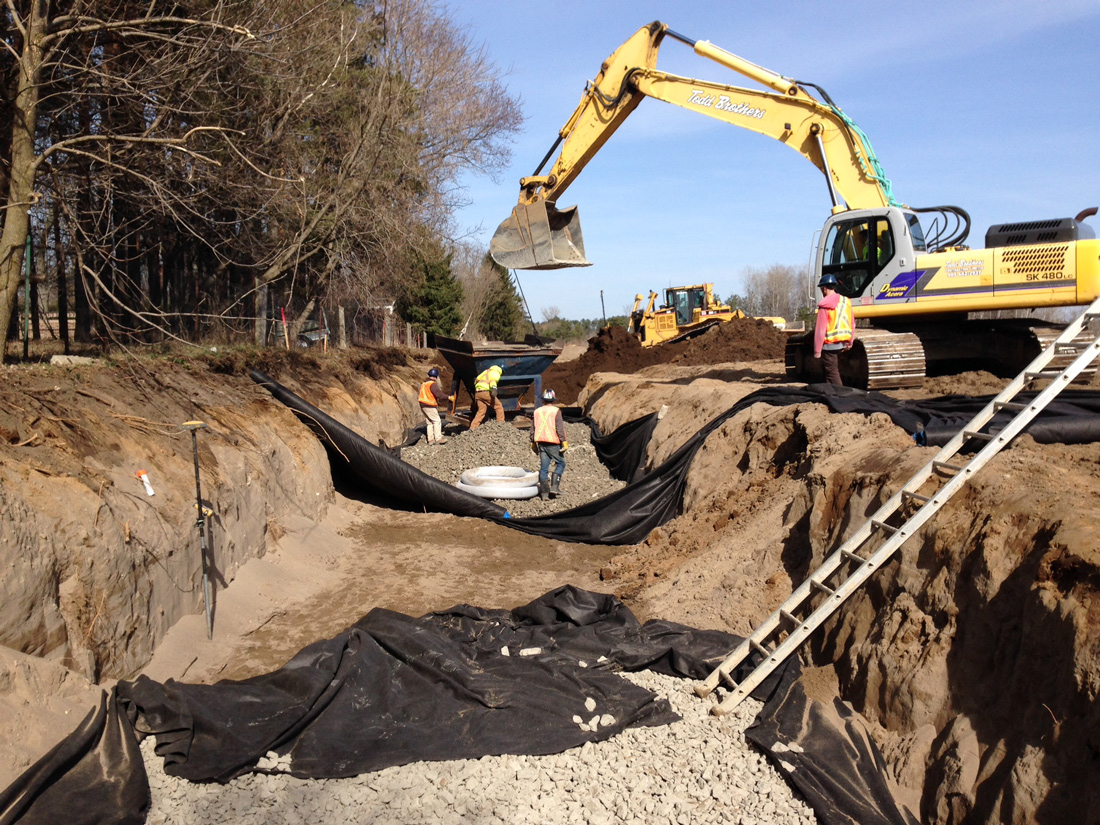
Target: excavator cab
(537, 235)
(856, 251)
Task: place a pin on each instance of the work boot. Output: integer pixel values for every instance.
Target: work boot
(544, 488)
(555, 487)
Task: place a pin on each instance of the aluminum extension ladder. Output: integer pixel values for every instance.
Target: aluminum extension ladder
(872, 545)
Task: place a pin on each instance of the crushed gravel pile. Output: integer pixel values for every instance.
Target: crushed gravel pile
(697, 770)
(506, 445)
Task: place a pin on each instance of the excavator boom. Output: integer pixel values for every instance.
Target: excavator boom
(917, 288)
(537, 235)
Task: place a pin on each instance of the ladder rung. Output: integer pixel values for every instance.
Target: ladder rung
(943, 465)
(1010, 405)
(1049, 373)
(916, 497)
(848, 554)
(981, 436)
(824, 588)
(884, 527)
(759, 648)
(790, 617)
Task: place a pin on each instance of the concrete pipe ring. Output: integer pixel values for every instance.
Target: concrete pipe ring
(498, 492)
(500, 477)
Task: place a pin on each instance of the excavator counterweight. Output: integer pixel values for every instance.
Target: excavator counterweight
(539, 236)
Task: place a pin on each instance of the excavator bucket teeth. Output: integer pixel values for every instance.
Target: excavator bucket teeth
(538, 236)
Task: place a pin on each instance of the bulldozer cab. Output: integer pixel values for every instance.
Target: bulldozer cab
(685, 300)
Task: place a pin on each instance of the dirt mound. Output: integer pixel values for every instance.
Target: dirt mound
(616, 350)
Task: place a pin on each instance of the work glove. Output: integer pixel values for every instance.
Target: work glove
(564, 446)
(451, 398)
(534, 448)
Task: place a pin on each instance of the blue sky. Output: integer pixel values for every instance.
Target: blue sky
(990, 106)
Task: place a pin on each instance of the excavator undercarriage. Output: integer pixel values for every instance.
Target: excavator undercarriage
(884, 359)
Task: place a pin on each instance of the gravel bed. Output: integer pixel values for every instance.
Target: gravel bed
(506, 445)
(697, 770)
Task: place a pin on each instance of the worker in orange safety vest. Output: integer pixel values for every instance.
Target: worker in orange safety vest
(548, 439)
(431, 396)
(833, 328)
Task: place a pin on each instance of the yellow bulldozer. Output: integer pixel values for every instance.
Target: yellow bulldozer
(687, 311)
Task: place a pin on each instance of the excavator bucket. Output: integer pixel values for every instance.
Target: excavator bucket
(538, 236)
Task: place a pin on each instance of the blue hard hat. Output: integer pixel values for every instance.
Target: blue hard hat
(433, 373)
(828, 280)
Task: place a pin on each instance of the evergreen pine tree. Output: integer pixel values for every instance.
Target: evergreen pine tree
(502, 312)
(433, 301)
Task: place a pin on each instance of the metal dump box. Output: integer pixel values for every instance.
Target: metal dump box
(522, 365)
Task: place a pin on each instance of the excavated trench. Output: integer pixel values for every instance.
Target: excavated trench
(971, 657)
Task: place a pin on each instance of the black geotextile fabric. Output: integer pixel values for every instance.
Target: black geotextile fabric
(623, 451)
(94, 776)
(828, 754)
(1073, 417)
(628, 515)
(377, 467)
(392, 690)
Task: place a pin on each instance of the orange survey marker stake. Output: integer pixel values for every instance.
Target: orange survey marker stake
(144, 476)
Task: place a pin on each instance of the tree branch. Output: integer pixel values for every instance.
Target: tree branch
(97, 25)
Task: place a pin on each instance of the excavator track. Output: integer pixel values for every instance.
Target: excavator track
(884, 360)
(1065, 354)
(878, 360)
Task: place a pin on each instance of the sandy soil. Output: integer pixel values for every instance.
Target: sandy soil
(320, 578)
(769, 493)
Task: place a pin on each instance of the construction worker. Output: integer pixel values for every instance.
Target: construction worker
(431, 396)
(485, 395)
(548, 437)
(832, 328)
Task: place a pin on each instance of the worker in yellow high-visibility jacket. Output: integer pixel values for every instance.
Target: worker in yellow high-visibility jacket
(485, 395)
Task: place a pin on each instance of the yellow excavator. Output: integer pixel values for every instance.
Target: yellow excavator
(918, 286)
(687, 311)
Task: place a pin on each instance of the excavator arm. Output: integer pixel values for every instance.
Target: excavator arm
(539, 236)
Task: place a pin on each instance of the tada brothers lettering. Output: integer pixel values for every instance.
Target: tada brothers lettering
(722, 103)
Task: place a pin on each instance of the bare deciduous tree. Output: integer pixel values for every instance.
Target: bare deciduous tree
(778, 291)
(190, 154)
(55, 48)
(406, 105)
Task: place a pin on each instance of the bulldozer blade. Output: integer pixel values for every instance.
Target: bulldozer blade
(538, 236)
